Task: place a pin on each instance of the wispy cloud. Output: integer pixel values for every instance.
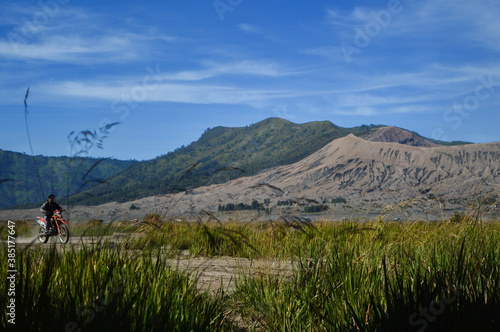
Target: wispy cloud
(249, 28)
(252, 68)
(406, 67)
(431, 54)
(71, 49)
(455, 22)
(72, 35)
(166, 92)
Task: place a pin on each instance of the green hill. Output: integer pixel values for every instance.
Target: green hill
(21, 186)
(221, 154)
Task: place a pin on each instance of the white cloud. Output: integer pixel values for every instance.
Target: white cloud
(456, 22)
(401, 92)
(164, 92)
(465, 24)
(238, 68)
(376, 84)
(72, 35)
(249, 28)
(70, 49)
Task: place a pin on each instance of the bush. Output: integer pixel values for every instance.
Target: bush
(134, 207)
(339, 200)
(316, 208)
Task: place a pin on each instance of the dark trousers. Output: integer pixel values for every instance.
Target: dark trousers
(48, 219)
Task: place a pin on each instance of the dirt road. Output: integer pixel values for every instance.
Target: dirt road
(213, 273)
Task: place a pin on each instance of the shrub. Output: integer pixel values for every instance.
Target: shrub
(316, 208)
(134, 207)
(339, 200)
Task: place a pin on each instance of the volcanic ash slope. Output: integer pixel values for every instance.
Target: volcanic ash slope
(354, 168)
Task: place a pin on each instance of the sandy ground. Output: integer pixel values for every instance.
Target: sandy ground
(212, 273)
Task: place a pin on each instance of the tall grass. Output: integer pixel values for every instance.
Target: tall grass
(346, 276)
(98, 290)
(271, 239)
(432, 277)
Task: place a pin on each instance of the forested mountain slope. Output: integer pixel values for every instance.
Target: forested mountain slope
(26, 179)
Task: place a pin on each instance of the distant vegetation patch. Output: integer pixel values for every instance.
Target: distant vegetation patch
(242, 206)
(316, 208)
(340, 200)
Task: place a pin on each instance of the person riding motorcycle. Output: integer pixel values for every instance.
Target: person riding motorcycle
(48, 209)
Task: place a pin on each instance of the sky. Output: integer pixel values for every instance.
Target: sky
(148, 77)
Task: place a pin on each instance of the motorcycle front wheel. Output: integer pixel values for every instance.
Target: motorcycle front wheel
(41, 235)
(63, 234)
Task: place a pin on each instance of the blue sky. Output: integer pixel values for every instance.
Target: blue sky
(167, 70)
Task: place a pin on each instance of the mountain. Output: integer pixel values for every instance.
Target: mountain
(348, 169)
(221, 154)
(398, 135)
(21, 183)
(359, 170)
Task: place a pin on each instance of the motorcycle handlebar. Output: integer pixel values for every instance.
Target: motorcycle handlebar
(62, 210)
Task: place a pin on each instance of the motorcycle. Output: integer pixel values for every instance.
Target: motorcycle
(59, 228)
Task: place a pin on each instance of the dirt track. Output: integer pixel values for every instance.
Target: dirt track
(214, 273)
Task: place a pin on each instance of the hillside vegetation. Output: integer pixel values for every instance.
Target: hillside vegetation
(221, 154)
(20, 183)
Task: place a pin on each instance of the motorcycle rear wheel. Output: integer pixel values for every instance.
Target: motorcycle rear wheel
(63, 234)
(41, 235)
